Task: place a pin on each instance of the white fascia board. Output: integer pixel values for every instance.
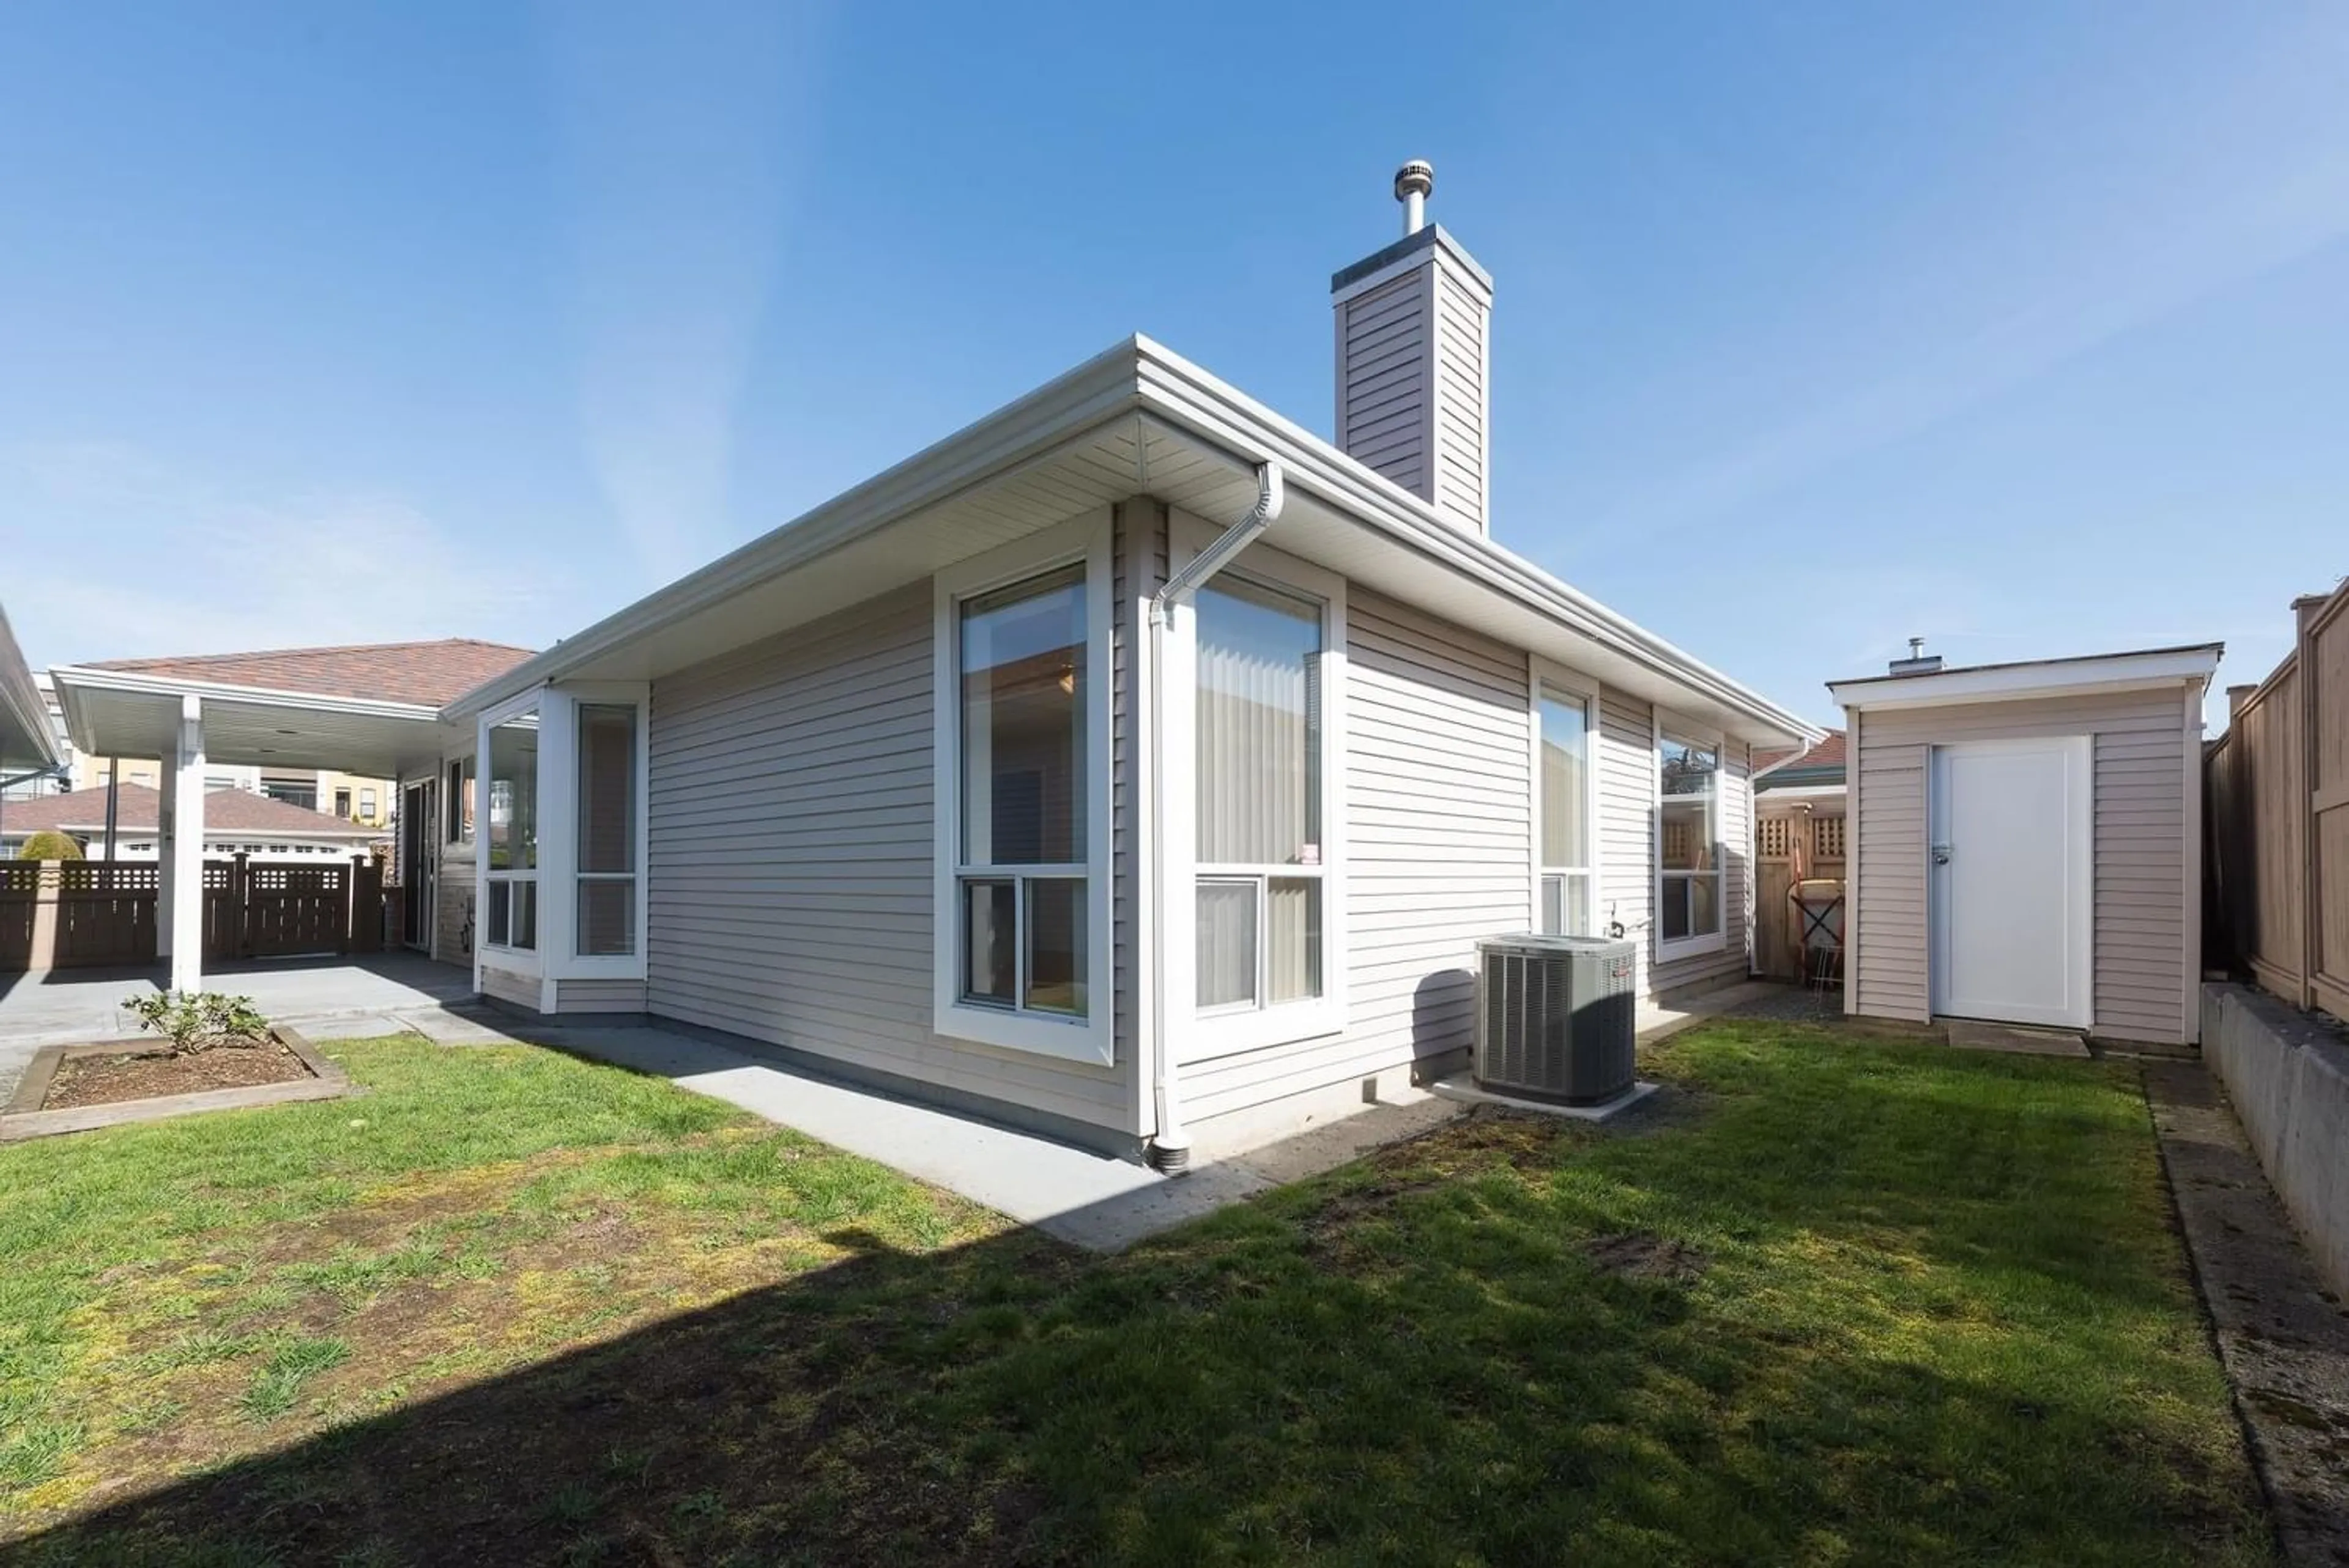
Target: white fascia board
(23, 709)
(73, 679)
(2022, 682)
(1181, 391)
(1135, 373)
(1071, 404)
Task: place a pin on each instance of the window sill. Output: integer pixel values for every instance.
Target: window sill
(1668, 951)
(1086, 1041)
(1263, 1029)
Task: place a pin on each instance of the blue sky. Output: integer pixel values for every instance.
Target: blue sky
(2024, 328)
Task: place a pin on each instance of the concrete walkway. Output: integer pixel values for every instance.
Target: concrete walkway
(1091, 1200)
(2282, 1338)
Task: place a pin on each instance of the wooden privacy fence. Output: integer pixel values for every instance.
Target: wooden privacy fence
(81, 913)
(1785, 839)
(2277, 784)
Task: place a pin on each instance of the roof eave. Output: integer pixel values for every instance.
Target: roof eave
(2089, 676)
(1182, 392)
(1076, 402)
(23, 711)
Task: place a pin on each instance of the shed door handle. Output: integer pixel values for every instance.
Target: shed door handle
(1941, 855)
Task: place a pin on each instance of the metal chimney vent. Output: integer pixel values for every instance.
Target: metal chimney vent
(1919, 662)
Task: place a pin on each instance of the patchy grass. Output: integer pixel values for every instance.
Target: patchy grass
(1833, 1302)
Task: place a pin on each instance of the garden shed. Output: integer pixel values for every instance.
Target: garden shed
(2025, 842)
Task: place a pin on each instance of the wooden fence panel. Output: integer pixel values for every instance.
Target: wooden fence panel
(2277, 791)
(1818, 838)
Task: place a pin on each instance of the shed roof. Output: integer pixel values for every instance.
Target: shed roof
(2023, 679)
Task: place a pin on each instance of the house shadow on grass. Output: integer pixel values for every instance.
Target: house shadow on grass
(1423, 1357)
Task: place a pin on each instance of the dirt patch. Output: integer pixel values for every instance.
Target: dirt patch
(1645, 1255)
(148, 1074)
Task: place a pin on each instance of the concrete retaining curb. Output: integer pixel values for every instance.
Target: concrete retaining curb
(2287, 1074)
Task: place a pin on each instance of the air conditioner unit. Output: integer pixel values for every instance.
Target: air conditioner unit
(1554, 1018)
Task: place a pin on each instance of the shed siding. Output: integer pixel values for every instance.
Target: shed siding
(2138, 973)
(1438, 852)
(791, 860)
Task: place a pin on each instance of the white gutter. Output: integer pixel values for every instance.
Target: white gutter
(1184, 392)
(1170, 1148)
(23, 711)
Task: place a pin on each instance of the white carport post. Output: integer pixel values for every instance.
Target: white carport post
(187, 880)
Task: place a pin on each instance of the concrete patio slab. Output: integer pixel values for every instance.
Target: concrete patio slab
(1081, 1196)
(1969, 1034)
(1462, 1088)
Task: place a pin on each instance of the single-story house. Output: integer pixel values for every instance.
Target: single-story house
(236, 821)
(1133, 763)
(2026, 842)
(1131, 759)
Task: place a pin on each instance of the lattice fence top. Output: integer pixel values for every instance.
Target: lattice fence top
(1776, 837)
(1828, 832)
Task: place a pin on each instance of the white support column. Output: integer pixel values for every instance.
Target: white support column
(187, 885)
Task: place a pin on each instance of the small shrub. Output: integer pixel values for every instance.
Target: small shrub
(50, 844)
(197, 1021)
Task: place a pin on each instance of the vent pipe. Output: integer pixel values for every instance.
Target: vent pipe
(1919, 662)
(1415, 182)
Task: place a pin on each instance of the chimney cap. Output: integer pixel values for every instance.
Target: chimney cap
(1414, 178)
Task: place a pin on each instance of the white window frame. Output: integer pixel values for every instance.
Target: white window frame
(1080, 541)
(1221, 1031)
(1542, 678)
(559, 861)
(1669, 726)
(529, 961)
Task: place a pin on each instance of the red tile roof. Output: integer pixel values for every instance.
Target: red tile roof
(427, 674)
(226, 811)
(1827, 753)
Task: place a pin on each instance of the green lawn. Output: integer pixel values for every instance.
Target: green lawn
(1832, 1301)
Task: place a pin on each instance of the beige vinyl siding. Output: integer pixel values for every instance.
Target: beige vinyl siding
(1382, 378)
(2138, 973)
(1891, 945)
(452, 914)
(791, 860)
(1438, 850)
(1459, 381)
(599, 996)
(518, 989)
(1626, 822)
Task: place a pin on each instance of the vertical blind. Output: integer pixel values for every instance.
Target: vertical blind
(1259, 707)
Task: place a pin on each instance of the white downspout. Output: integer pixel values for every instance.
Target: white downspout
(1170, 1150)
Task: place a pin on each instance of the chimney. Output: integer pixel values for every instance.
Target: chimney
(1414, 373)
(1919, 662)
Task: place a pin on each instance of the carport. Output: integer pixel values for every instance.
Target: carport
(373, 710)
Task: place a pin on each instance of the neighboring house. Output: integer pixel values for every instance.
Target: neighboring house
(1130, 761)
(2027, 842)
(236, 823)
(1814, 772)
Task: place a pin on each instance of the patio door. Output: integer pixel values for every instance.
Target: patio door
(2013, 880)
(418, 862)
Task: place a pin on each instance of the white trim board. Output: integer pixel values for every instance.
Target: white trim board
(2023, 682)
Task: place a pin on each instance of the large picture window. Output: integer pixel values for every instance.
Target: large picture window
(1688, 841)
(1563, 780)
(1023, 890)
(511, 904)
(1260, 742)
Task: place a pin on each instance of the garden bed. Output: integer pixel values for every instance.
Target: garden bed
(72, 1088)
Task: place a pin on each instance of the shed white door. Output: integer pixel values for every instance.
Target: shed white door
(2013, 879)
